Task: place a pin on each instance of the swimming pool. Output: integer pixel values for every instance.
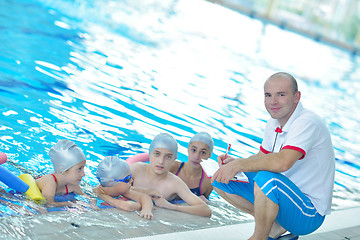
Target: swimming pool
(111, 75)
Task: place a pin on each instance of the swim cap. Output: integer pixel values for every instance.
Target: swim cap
(164, 140)
(111, 169)
(203, 137)
(65, 154)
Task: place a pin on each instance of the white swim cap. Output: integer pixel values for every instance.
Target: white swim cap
(203, 137)
(65, 154)
(112, 170)
(164, 140)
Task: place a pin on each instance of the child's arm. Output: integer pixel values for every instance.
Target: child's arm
(92, 201)
(47, 187)
(145, 201)
(208, 191)
(196, 205)
(199, 208)
(128, 206)
(118, 203)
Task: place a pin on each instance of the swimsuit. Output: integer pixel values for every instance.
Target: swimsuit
(66, 187)
(196, 191)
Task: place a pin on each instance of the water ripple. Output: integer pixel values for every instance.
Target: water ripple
(110, 75)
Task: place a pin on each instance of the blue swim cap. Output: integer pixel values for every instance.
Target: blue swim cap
(164, 140)
(203, 137)
(111, 169)
(65, 154)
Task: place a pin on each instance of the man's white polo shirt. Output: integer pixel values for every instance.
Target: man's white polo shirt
(314, 172)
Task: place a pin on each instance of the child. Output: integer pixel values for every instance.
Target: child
(200, 148)
(69, 162)
(156, 178)
(115, 180)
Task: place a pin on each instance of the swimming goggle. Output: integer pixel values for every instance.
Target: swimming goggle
(125, 179)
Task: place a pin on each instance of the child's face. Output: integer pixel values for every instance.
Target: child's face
(120, 188)
(161, 160)
(196, 152)
(75, 173)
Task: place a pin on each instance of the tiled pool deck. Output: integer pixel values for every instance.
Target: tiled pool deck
(106, 224)
(340, 225)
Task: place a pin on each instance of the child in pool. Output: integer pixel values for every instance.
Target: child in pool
(116, 180)
(200, 148)
(69, 162)
(155, 178)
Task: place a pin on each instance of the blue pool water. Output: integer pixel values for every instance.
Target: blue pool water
(110, 75)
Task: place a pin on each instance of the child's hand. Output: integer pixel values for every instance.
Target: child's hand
(146, 214)
(36, 207)
(202, 197)
(80, 205)
(161, 202)
(94, 207)
(93, 204)
(60, 204)
(41, 209)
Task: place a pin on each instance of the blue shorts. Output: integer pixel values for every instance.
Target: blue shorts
(296, 212)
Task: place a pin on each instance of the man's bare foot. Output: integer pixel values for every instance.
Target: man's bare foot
(276, 230)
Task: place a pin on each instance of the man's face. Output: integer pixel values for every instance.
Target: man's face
(280, 100)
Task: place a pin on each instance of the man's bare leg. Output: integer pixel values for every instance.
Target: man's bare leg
(246, 206)
(237, 201)
(266, 212)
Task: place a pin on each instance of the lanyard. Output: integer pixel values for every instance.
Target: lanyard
(277, 130)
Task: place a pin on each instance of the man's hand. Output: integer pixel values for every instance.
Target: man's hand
(222, 160)
(227, 170)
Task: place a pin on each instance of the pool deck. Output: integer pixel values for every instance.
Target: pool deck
(115, 224)
(342, 224)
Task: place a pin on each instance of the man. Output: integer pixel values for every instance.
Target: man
(156, 180)
(291, 178)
